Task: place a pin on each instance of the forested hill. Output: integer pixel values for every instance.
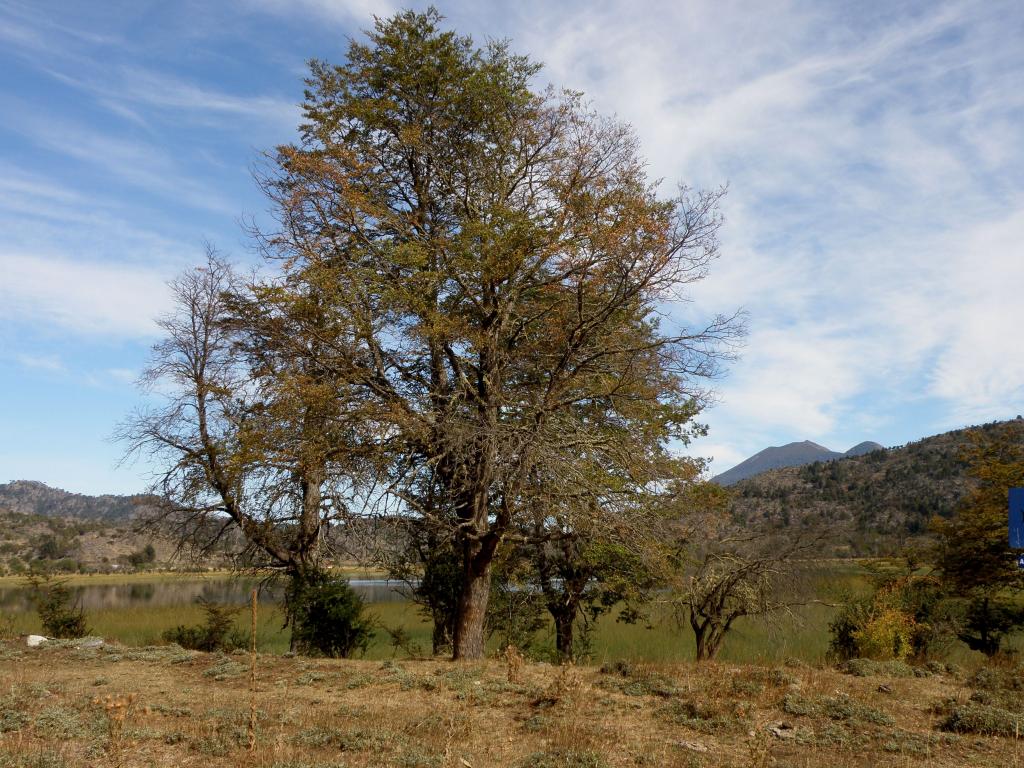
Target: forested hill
(870, 504)
(29, 497)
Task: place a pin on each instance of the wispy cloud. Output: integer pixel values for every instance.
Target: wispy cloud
(126, 90)
(50, 363)
(114, 301)
(872, 224)
(874, 158)
(340, 11)
(142, 164)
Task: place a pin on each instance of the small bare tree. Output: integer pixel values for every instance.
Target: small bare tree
(748, 574)
(256, 448)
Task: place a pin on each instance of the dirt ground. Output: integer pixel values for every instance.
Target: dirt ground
(67, 705)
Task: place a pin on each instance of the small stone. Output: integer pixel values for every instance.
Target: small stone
(33, 641)
(883, 688)
(781, 730)
(693, 746)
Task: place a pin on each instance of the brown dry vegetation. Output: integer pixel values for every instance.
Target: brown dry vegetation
(68, 707)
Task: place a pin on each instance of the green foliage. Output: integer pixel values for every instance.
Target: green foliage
(584, 576)
(973, 555)
(904, 616)
(872, 503)
(217, 633)
(328, 617)
(986, 621)
(515, 613)
(59, 612)
(433, 569)
(840, 707)
(982, 719)
(50, 548)
(143, 556)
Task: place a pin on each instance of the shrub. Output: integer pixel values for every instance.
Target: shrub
(143, 556)
(328, 618)
(870, 668)
(904, 617)
(986, 720)
(58, 611)
(218, 633)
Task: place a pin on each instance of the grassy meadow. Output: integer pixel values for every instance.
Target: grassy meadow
(133, 702)
(802, 635)
(68, 705)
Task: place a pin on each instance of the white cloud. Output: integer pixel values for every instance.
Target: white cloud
(874, 157)
(126, 89)
(144, 165)
(123, 375)
(980, 368)
(871, 160)
(86, 298)
(341, 11)
(50, 363)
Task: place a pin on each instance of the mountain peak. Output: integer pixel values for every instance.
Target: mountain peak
(789, 455)
(866, 447)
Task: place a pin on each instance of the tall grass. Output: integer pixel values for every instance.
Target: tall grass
(802, 635)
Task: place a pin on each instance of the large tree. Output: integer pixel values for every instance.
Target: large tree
(499, 260)
(472, 285)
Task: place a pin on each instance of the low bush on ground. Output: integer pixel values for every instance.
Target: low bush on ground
(58, 610)
(217, 633)
(328, 617)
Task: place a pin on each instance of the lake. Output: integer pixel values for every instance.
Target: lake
(137, 609)
(163, 593)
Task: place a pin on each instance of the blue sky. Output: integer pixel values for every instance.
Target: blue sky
(874, 223)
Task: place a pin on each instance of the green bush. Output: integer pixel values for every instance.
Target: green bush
(985, 720)
(218, 633)
(328, 618)
(904, 617)
(144, 556)
(59, 613)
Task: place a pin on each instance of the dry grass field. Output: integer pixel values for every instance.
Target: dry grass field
(68, 706)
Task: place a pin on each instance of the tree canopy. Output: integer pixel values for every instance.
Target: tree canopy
(468, 311)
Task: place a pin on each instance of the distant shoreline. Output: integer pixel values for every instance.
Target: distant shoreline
(99, 579)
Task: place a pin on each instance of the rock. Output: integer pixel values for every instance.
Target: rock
(883, 688)
(781, 730)
(90, 642)
(693, 746)
(34, 641)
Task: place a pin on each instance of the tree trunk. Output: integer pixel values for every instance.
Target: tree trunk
(700, 636)
(439, 637)
(468, 642)
(712, 643)
(988, 647)
(564, 620)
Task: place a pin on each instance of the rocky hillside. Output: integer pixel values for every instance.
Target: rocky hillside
(74, 544)
(874, 503)
(29, 497)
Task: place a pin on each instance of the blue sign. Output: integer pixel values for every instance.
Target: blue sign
(1017, 518)
(1020, 562)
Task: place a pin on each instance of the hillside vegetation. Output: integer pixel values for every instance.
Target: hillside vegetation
(60, 543)
(30, 497)
(872, 504)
